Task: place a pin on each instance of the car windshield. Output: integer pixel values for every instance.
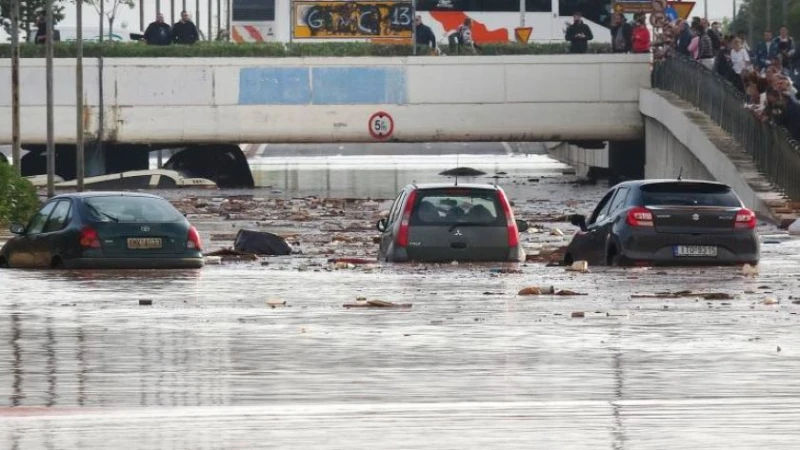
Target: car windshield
(688, 194)
(457, 205)
(131, 209)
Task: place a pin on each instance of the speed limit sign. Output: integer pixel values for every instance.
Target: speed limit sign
(381, 125)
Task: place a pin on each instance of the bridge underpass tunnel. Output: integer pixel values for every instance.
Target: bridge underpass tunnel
(224, 164)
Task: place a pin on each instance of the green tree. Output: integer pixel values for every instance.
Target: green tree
(110, 9)
(763, 21)
(18, 198)
(28, 10)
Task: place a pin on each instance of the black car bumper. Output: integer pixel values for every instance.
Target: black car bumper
(654, 247)
(134, 263)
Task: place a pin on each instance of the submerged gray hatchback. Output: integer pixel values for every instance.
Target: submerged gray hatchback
(444, 222)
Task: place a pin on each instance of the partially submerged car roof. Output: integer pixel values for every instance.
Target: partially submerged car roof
(106, 194)
(427, 186)
(640, 183)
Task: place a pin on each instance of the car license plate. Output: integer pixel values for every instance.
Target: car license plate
(144, 243)
(696, 250)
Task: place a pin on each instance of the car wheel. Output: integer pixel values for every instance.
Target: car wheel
(613, 258)
(57, 264)
(3, 263)
(568, 260)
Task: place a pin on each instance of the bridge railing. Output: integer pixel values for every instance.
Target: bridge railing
(773, 150)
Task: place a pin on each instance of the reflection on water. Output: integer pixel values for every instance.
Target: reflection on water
(383, 176)
(209, 365)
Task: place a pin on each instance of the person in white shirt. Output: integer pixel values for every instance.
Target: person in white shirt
(740, 59)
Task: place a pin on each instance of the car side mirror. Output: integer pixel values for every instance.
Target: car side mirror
(17, 228)
(522, 226)
(381, 225)
(579, 220)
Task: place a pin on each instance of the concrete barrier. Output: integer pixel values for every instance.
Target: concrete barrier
(206, 100)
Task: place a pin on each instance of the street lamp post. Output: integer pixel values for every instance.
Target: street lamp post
(16, 145)
(51, 148)
(80, 159)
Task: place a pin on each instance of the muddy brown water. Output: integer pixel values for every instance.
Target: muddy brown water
(211, 365)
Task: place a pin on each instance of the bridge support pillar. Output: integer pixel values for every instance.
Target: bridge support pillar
(626, 159)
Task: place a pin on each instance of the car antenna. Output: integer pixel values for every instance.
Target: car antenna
(680, 174)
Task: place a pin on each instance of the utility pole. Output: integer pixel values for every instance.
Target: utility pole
(141, 15)
(734, 12)
(229, 23)
(16, 146)
(172, 11)
(705, 9)
(197, 17)
(80, 159)
(785, 12)
(210, 21)
(102, 22)
(219, 16)
(414, 27)
(158, 6)
(769, 14)
(51, 148)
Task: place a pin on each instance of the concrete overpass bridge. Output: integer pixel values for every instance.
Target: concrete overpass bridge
(255, 100)
(135, 105)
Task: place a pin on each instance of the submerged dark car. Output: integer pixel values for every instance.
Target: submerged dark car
(666, 222)
(104, 230)
(445, 222)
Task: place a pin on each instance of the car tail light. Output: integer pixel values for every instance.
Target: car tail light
(640, 217)
(402, 234)
(89, 238)
(193, 240)
(511, 223)
(745, 219)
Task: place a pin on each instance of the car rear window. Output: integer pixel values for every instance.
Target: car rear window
(131, 209)
(457, 205)
(688, 194)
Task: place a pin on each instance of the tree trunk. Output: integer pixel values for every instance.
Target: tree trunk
(111, 28)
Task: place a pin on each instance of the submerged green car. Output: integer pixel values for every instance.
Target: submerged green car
(104, 230)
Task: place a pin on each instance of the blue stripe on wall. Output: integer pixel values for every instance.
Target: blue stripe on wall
(274, 86)
(328, 86)
(358, 85)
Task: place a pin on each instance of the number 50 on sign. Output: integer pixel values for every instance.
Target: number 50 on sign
(381, 125)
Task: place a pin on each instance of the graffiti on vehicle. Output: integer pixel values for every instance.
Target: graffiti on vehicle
(353, 19)
(450, 21)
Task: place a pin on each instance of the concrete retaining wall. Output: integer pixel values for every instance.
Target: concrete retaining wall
(171, 100)
(581, 159)
(675, 140)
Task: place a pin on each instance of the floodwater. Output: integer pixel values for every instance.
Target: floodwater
(471, 365)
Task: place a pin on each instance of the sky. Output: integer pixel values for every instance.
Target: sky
(717, 9)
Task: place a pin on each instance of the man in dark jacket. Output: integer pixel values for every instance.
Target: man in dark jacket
(158, 32)
(762, 51)
(578, 34)
(425, 39)
(620, 34)
(684, 39)
(184, 32)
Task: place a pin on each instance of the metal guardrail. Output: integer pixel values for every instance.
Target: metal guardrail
(775, 153)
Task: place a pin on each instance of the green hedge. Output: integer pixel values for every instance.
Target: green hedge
(270, 50)
(18, 198)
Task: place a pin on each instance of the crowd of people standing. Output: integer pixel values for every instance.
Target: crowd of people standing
(766, 72)
(161, 33)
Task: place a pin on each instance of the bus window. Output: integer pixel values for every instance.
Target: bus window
(597, 11)
(484, 5)
(253, 11)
